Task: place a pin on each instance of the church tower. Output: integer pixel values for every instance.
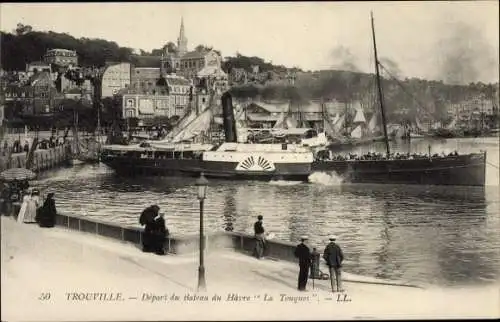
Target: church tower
(182, 40)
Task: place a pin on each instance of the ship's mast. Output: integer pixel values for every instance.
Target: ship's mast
(386, 138)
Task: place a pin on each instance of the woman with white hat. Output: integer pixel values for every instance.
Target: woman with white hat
(32, 207)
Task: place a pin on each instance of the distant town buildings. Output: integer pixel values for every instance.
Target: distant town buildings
(203, 66)
(37, 66)
(143, 79)
(169, 99)
(61, 57)
(115, 77)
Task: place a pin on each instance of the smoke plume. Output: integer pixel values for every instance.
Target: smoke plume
(464, 56)
(344, 59)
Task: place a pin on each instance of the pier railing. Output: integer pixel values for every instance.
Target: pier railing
(177, 243)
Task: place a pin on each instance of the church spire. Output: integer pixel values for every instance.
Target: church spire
(182, 40)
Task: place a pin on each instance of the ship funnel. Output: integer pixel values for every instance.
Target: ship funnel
(228, 114)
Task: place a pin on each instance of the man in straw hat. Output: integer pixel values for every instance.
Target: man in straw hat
(303, 253)
(333, 256)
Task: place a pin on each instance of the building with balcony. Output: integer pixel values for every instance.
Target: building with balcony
(172, 98)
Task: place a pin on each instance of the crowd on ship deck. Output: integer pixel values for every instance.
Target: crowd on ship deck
(326, 155)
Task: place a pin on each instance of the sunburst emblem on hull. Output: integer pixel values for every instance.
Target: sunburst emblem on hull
(252, 163)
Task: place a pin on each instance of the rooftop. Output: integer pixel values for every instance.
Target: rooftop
(172, 80)
(194, 55)
(145, 61)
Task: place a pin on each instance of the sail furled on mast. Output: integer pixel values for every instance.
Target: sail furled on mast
(379, 87)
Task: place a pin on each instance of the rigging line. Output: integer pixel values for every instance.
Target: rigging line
(493, 165)
(404, 90)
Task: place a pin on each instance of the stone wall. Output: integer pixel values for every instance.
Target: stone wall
(178, 243)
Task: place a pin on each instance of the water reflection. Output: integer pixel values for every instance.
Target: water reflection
(229, 209)
(425, 234)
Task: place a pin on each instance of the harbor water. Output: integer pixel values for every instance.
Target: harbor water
(430, 235)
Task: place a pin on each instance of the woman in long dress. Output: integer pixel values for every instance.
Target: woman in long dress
(32, 207)
(46, 215)
(24, 206)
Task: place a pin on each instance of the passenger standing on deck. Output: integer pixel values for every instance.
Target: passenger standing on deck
(46, 215)
(259, 238)
(333, 256)
(147, 219)
(303, 253)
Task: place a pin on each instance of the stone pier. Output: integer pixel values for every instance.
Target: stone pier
(43, 159)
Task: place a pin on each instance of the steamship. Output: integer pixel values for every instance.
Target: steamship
(230, 160)
(237, 160)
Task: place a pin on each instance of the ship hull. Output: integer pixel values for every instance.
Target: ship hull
(128, 166)
(461, 170)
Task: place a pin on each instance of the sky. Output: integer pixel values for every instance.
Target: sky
(450, 41)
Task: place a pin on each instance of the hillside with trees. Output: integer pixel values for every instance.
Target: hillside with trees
(410, 96)
(428, 98)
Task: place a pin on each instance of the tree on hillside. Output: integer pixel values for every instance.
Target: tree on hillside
(23, 29)
(172, 48)
(26, 45)
(204, 48)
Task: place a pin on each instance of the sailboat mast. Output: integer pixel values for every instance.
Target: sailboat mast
(386, 138)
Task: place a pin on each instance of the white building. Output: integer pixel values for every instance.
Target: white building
(115, 78)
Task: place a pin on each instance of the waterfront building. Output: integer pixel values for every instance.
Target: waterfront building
(115, 77)
(43, 92)
(467, 109)
(61, 57)
(169, 99)
(33, 98)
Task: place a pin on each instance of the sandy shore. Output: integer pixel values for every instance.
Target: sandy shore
(56, 274)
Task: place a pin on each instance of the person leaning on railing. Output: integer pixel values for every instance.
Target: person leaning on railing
(260, 239)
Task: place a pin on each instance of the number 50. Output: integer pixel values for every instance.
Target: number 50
(44, 297)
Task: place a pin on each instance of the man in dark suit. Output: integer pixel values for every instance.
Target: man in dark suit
(260, 241)
(303, 253)
(333, 256)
